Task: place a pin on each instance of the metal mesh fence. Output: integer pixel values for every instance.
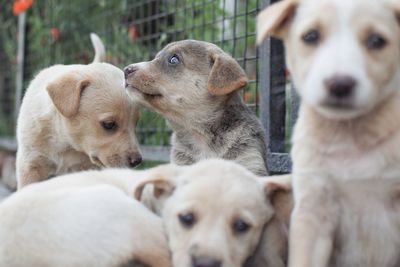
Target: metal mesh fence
(133, 31)
(8, 52)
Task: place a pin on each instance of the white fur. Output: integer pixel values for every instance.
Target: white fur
(79, 220)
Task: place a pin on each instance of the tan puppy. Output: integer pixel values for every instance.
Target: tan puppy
(345, 60)
(79, 220)
(76, 117)
(195, 86)
(214, 211)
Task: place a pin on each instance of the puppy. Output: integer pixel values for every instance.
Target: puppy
(82, 219)
(194, 85)
(76, 117)
(214, 211)
(344, 57)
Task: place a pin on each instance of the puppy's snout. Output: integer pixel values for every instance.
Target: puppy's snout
(340, 86)
(134, 160)
(203, 261)
(130, 70)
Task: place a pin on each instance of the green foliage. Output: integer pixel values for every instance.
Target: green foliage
(8, 52)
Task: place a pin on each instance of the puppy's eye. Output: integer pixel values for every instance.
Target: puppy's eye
(187, 220)
(109, 125)
(240, 227)
(174, 60)
(311, 37)
(376, 42)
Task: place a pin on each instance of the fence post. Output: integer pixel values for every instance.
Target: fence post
(272, 96)
(20, 63)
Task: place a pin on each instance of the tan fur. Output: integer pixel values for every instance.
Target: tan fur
(60, 122)
(226, 75)
(272, 250)
(218, 193)
(358, 141)
(66, 92)
(82, 219)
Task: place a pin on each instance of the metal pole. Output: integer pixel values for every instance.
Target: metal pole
(20, 62)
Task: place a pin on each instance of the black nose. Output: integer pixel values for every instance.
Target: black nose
(129, 70)
(340, 87)
(205, 262)
(134, 161)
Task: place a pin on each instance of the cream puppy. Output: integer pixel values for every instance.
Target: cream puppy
(214, 211)
(76, 117)
(345, 60)
(82, 219)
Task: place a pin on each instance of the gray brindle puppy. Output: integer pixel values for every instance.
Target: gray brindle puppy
(194, 85)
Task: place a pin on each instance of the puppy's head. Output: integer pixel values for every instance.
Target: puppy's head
(214, 213)
(344, 55)
(97, 115)
(185, 75)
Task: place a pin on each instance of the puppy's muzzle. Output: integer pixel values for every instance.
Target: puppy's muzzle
(203, 261)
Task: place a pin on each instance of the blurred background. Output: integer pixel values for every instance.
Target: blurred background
(53, 31)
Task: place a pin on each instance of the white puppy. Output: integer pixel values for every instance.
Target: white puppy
(214, 212)
(76, 117)
(79, 220)
(345, 60)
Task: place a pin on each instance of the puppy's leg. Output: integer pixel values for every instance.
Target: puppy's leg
(312, 227)
(33, 171)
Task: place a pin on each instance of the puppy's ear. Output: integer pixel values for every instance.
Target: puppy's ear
(163, 179)
(274, 19)
(396, 7)
(66, 91)
(226, 75)
(276, 186)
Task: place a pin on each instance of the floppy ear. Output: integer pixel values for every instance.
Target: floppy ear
(396, 7)
(277, 185)
(226, 75)
(274, 19)
(65, 92)
(163, 178)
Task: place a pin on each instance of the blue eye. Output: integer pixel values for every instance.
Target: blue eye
(174, 60)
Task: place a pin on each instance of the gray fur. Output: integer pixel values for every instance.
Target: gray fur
(234, 134)
(200, 100)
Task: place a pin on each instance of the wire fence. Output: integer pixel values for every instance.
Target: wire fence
(133, 31)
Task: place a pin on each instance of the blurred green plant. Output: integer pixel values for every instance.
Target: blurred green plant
(8, 52)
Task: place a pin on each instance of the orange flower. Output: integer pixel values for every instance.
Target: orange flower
(133, 33)
(55, 34)
(20, 6)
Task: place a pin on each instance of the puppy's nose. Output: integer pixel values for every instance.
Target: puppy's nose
(133, 161)
(131, 69)
(205, 262)
(340, 86)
